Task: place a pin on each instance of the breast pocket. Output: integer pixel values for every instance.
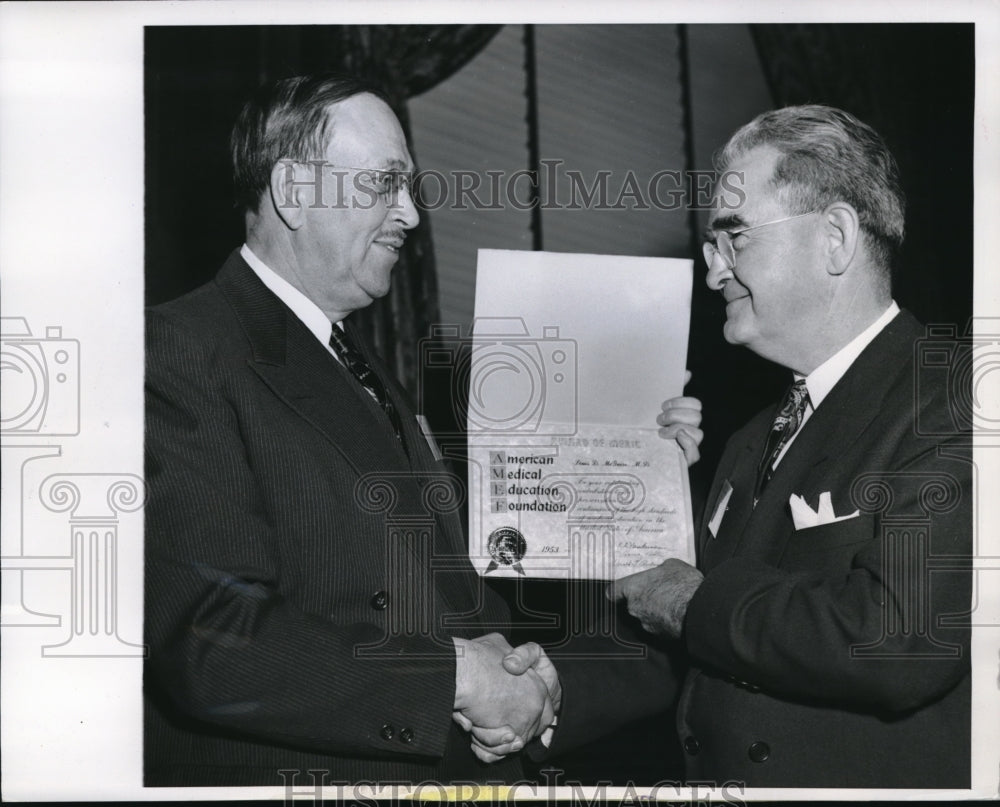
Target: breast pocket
(831, 546)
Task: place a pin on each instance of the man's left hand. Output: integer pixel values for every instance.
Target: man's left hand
(679, 420)
(659, 597)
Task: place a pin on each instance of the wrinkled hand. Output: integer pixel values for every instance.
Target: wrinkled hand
(531, 656)
(680, 418)
(492, 744)
(512, 709)
(659, 597)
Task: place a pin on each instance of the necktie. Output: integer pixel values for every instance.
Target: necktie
(344, 347)
(787, 422)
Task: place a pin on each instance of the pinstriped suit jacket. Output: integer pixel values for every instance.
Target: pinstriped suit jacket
(299, 566)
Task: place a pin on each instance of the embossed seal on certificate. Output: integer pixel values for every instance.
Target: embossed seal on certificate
(506, 546)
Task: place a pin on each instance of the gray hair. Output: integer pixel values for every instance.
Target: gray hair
(286, 119)
(828, 155)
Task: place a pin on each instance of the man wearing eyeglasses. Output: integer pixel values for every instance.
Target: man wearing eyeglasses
(291, 626)
(826, 619)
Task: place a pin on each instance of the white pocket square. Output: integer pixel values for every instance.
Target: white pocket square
(803, 516)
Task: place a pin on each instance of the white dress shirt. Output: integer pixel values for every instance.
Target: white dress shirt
(825, 377)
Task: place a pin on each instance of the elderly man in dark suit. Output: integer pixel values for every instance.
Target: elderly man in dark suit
(825, 619)
(294, 619)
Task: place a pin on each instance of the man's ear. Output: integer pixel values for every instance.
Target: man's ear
(842, 230)
(287, 197)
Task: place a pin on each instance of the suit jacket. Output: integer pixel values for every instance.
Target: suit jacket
(304, 574)
(835, 656)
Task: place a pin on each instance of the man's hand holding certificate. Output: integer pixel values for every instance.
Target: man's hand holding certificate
(572, 356)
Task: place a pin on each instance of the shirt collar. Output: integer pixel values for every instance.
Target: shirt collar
(823, 379)
(305, 309)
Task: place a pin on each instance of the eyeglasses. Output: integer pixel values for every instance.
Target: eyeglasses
(723, 243)
(384, 181)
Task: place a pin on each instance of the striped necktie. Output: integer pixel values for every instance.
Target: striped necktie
(787, 422)
(344, 347)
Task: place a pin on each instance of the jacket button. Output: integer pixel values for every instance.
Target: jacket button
(406, 735)
(387, 732)
(691, 745)
(759, 751)
(380, 600)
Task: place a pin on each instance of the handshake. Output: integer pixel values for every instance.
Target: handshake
(504, 697)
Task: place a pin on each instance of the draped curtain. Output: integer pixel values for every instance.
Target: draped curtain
(196, 79)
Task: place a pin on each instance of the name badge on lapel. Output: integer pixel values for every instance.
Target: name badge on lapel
(425, 428)
(721, 504)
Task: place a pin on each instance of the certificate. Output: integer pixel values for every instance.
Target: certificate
(571, 357)
(601, 504)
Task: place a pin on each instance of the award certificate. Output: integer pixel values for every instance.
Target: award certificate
(572, 356)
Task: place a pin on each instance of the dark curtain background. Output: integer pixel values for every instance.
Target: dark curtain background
(197, 79)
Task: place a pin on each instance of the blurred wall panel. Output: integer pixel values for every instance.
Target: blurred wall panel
(473, 122)
(609, 99)
(609, 114)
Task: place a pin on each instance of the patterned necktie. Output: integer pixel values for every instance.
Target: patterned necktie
(344, 347)
(787, 422)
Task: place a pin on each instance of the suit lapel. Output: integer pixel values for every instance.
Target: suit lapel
(299, 371)
(449, 536)
(319, 389)
(289, 359)
(836, 425)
